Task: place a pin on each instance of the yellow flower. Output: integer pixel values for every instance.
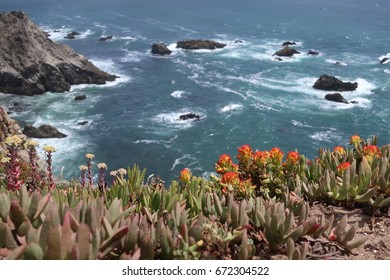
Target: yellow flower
(31, 143)
(49, 149)
(83, 168)
(89, 156)
(13, 140)
(355, 140)
(5, 160)
(102, 166)
(122, 171)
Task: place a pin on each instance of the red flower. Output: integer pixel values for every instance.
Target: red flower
(340, 150)
(230, 178)
(355, 140)
(276, 156)
(343, 167)
(292, 158)
(244, 154)
(371, 150)
(225, 164)
(185, 175)
(261, 158)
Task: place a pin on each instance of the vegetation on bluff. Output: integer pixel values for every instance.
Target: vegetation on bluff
(251, 209)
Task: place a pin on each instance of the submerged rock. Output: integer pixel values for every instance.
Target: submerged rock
(199, 44)
(288, 43)
(44, 131)
(384, 60)
(160, 49)
(71, 35)
(287, 51)
(311, 52)
(189, 116)
(327, 82)
(31, 63)
(336, 97)
(106, 38)
(80, 97)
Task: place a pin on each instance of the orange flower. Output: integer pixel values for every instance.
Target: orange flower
(244, 154)
(185, 175)
(260, 158)
(230, 178)
(225, 164)
(343, 167)
(340, 150)
(276, 156)
(292, 158)
(355, 140)
(371, 150)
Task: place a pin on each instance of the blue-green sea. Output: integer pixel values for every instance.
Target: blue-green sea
(241, 93)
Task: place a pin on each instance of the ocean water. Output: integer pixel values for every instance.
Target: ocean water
(242, 95)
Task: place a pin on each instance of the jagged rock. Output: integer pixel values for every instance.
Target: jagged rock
(384, 60)
(311, 52)
(189, 116)
(238, 41)
(82, 123)
(43, 131)
(327, 82)
(287, 51)
(336, 97)
(199, 44)
(288, 43)
(278, 59)
(71, 35)
(80, 97)
(30, 63)
(106, 38)
(160, 49)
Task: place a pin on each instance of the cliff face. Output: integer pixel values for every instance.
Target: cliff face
(30, 63)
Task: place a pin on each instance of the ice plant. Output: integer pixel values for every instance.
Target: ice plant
(102, 180)
(292, 158)
(343, 167)
(49, 150)
(225, 164)
(89, 166)
(13, 165)
(355, 140)
(32, 153)
(83, 169)
(229, 178)
(185, 176)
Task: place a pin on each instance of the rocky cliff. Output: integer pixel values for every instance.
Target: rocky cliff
(30, 63)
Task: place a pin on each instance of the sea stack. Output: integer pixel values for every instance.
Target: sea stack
(31, 63)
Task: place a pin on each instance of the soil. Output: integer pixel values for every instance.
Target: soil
(375, 227)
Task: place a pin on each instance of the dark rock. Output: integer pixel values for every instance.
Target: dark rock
(288, 43)
(103, 39)
(189, 116)
(278, 59)
(286, 51)
(44, 131)
(336, 97)
(31, 63)
(72, 35)
(354, 102)
(80, 97)
(238, 41)
(384, 60)
(311, 52)
(199, 44)
(160, 49)
(326, 82)
(82, 123)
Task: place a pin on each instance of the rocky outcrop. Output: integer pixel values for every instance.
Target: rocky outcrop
(30, 63)
(326, 82)
(160, 49)
(189, 116)
(80, 97)
(71, 35)
(288, 43)
(199, 44)
(384, 60)
(106, 38)
(311, 52)
(287, 51)
(336, 97)
(44, 131)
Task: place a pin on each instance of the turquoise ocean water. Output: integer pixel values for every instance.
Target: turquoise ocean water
(242, 95)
